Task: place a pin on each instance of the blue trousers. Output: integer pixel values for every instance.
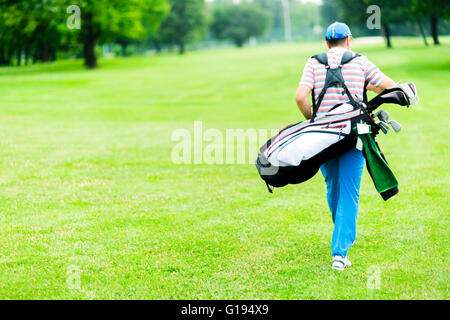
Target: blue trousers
(343, 178)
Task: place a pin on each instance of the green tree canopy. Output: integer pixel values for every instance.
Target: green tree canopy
(30, 26)
(239, 22)
(108, 20)
(186, 22)
(392, 12)
(432, 9)
(38, 27)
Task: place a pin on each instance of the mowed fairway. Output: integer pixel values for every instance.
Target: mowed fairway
(92, 206)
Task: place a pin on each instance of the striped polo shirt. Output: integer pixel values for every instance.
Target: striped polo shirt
(355, 73)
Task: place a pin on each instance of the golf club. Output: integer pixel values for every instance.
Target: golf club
(393, 95)
(396, 126)
(382, 115)
(383, 126)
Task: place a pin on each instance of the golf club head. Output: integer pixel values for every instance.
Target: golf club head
(411, 92)
(382, 115)
(395, 125)
(383, 126)
(397, 97)
(391, 95)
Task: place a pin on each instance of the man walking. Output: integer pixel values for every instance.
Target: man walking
(343, 173)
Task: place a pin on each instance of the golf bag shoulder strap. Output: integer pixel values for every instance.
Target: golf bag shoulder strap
(333, 77)
(321, 57)
(365, 100)
(348, 56)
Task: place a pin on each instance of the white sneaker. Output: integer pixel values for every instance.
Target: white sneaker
(340, 263)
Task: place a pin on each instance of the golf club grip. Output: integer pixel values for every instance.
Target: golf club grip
(375, 102)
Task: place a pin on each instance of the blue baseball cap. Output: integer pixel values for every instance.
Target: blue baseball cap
(338, 30)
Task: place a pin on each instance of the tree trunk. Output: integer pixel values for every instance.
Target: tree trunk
(44, 53)
(34, 57)
(27, 55)
(158, 47)
(387, 35)
(2, 55)
(239, 42)
(89, 39)
(434, 28)
(52, 55)
(422, 32)
(9, 54)
(19, 57)
(90, 60)
(124, 46)
(181, 47)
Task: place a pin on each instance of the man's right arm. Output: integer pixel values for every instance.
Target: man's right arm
(377, 80)
(304, 90)
(384, 84)
(302, 99)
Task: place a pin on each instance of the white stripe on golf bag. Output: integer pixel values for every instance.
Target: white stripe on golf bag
(305, 140)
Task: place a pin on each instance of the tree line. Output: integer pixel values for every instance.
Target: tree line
(414, 14)
(38, 30)
(44, 30)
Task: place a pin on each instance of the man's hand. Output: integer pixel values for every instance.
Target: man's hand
(302, 99)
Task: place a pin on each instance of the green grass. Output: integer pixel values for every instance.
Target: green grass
(89, 191)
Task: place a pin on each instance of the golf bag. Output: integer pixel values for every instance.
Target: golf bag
(297, 152)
